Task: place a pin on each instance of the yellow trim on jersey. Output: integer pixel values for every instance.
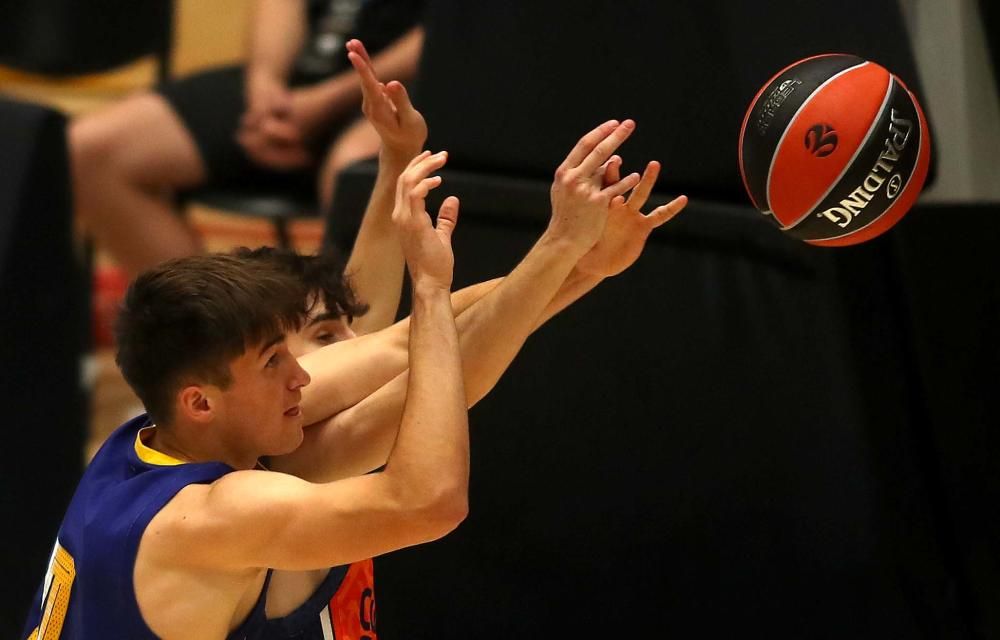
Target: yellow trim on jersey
(63, 572)
(152, 456)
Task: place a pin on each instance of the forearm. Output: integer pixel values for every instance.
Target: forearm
(493, 330)
(347, 372)
(376, 263)
(358, 439)
(398, 61)
(432, 448)
(277, 35)
(573, 288)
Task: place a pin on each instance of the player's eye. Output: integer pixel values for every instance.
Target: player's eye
(272, 361)
(325, 337)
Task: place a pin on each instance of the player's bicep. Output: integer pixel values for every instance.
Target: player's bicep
(264, 519)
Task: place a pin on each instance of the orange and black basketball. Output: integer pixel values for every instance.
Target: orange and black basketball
(835, 149)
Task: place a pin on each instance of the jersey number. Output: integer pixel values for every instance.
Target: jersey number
(55, 597)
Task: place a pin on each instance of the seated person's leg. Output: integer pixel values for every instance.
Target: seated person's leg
(127, 160)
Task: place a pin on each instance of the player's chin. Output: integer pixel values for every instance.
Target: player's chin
(292, 436)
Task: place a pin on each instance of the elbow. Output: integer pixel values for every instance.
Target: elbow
(446, 510)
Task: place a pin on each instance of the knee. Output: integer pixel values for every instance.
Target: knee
(94, 145)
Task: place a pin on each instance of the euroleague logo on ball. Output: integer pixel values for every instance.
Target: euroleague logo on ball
(821, 140)
(834, 149)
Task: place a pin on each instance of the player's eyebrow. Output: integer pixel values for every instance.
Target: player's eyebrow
(329, 315)
(270, 343)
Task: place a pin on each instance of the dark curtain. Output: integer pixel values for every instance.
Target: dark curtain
(42, 321)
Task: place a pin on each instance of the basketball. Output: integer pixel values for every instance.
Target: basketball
(834, 149)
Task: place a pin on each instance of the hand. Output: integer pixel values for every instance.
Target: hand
(274, 142)
(427, 248)
(579, 198)
(266, 95)
(627, 228)
(387, 106)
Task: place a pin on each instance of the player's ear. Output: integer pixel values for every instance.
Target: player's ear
(196, 403)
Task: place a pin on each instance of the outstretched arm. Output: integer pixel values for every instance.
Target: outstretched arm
(376, 262)
(491, 333)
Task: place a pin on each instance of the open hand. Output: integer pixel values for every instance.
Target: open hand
(579, 197)
(387, 106)
(427, 247)
(627, 229)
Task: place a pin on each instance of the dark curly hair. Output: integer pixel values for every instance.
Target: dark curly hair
(322, 274)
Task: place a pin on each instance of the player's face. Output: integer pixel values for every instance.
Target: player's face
(320, 329)
(261, 404)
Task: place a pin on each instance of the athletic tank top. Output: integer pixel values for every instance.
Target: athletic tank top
(341, 608)
(87, 593)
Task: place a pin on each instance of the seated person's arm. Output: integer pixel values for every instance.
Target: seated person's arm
(277, 33)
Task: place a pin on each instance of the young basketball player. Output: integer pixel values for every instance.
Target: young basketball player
(175, 533)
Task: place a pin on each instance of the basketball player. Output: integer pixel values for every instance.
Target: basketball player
(175, 533)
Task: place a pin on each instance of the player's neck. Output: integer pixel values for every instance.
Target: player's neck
(197, 444)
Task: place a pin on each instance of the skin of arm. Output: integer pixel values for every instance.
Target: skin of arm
(491, 333)
(376, 265)
(292, 524)
(277, 34)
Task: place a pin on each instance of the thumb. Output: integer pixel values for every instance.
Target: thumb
(447, 219)
(663, 214)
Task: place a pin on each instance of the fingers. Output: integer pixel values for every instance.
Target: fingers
(400, 98)
(280, 131)
(606, 146)
(415, 181)
(364, 69)
(623, 185)
(357, 47)
(587, 144)
(663, 214)
(447, 219)
(277, 156)
(612, 171)
(637, 199)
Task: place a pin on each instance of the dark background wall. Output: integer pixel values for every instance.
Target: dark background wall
(742, 434)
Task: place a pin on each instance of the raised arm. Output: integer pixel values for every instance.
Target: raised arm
(376, 262)
(420, 496)
(491, 333)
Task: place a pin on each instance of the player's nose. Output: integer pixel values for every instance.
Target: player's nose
(300, 377)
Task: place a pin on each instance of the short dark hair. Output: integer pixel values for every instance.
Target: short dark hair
(188, 318)
(322, 274)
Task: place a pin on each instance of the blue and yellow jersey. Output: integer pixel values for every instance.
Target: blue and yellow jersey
(87, 593)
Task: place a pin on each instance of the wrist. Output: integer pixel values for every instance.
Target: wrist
(395, 159)
(583, 276)
(570, 248)
(259, 74)
(429, 289)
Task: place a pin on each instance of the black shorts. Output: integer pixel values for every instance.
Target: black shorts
(210, 104)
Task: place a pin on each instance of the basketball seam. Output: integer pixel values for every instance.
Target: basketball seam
(902, 190)
(791, 121)
(850, 163)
